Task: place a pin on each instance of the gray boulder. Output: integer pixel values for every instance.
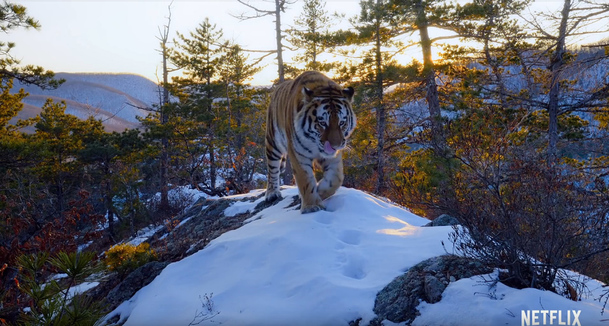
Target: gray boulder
(206, 221)
(426, 281)
(135, 281)
(443, 220)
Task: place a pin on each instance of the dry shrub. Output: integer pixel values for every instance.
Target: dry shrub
(126, 257)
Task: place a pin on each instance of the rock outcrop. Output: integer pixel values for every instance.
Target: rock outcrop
(398, 301)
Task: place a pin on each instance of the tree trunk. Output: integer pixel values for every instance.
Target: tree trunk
(59, 186)
(491, 61)
(278, 5)
(287, 174)
(212, 163)
(164, 141)
(164, 205)
(109, 206)
(59, 189)
(210, 131)
(556, 65)
(429, 73)
(380, 108)
(240, 141)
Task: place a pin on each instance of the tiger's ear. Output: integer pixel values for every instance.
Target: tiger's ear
(348, 93)
(307, 93)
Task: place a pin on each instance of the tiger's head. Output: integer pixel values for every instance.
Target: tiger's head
(330, 117)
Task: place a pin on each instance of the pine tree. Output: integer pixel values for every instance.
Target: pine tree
(497, 146)
(235, 73)
(103, 152)
(573, 16)
(310, 34)
(371, 43)
(280, 7)
(420, 16)
(14, 16)
(241, 104)
(60, 136)
(163, 106)
(12, 143)
(198, 56)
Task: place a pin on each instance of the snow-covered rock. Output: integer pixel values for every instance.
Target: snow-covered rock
(282, 267)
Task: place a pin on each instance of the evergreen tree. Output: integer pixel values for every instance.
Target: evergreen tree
(61, 137)
(241, 104)
(13, 148)
(163, 106)
(11, 105)
(15, 16)
(198, 57)
(51, 303)
(235, 72)
(103, 152)
(420, 15)
(496, 141)
(372, 44)
(280, 7)
(573, 16)
(310, 34)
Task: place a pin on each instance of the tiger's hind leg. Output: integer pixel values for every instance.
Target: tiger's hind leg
(282, 164)
(275, 164)
(333, 176)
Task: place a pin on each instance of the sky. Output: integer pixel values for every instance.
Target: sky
(121, 36)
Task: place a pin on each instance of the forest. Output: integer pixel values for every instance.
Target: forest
(508, 132)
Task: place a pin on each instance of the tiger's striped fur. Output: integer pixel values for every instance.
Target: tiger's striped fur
(309, 120)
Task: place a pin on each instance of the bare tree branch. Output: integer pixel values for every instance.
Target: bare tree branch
(259, 12)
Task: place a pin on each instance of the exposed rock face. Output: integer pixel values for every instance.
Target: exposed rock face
(135, 281)
(443, 220)
(203, 222)
(398, 301)
(206, 221)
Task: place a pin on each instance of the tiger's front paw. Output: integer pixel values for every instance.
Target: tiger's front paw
(273, 195)
(311, 208)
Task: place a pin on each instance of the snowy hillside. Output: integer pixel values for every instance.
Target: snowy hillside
(113, 98)
(325, 268)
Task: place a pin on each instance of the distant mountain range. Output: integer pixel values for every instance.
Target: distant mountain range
(116, 99)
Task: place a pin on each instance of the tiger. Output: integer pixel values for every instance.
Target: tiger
(309, 121)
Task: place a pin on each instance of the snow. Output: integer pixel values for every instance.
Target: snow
(180, 225)
(81, 288)
(84, 246)
(323, 268)
(76, 289)
(58, 276)
(184, 196)
(502, 305)
(245, 206)
(144, 234)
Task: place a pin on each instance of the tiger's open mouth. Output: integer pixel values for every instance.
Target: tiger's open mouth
(328, 148)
